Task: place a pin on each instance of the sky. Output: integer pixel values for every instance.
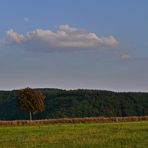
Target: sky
(72, 44)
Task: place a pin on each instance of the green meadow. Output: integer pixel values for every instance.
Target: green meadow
(69, 135)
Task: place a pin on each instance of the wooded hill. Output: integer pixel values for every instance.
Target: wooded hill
(78, 103)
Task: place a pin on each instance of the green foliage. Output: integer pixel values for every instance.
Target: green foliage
(78, 103)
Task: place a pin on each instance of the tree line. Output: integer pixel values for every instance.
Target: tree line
(59, 103)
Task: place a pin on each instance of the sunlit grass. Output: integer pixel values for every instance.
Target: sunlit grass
(111, 135)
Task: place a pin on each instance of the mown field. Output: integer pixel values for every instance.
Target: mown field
(99, 135)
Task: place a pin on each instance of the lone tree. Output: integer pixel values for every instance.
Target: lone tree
(31, 101)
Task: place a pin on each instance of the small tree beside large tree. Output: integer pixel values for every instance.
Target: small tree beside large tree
(30, 100)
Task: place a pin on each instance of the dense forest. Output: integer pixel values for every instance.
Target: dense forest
(78, 103)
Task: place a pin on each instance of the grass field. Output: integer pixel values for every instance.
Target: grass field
(99, 135)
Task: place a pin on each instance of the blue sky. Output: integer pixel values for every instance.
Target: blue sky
(72, 44)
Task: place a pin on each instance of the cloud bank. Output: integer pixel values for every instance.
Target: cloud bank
(64, 38)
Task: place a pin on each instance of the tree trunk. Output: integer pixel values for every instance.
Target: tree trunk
(30, 116)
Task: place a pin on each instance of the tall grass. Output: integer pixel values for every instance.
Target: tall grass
(76, 120)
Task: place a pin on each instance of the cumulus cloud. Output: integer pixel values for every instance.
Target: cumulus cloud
(64, 37)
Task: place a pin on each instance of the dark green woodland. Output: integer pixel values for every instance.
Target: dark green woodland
(78, 103)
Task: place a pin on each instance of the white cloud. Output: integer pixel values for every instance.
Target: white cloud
(13, 37)
(125, 56)
(64, 38)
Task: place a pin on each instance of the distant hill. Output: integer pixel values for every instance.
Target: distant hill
(78, 103)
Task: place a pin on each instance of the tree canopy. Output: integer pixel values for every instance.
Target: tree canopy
(30, 100)
(77, 103)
